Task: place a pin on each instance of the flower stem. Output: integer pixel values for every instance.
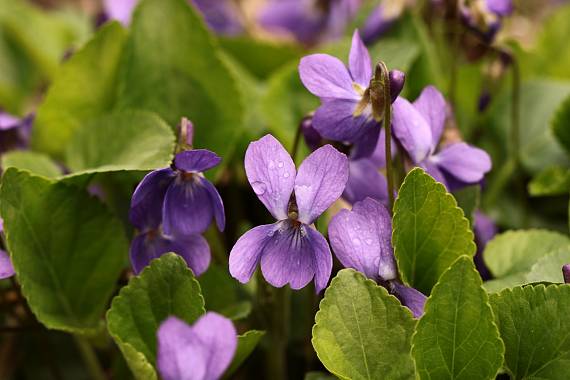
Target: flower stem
(388, 128)
(515, 111)
(90, 358)
(279, 333)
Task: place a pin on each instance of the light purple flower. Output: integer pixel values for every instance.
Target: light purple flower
(6, 267)
(309, 21)
(566, 273)
(484, 229)
(290, 251)
(419, 127)
(221, 16)
(14, 132)
(345, 114)
(361, 239)
(171, 207)
(202, 351)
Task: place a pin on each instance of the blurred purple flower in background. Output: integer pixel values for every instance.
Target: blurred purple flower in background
(14, 132)
(171, 207)
(6, 267)
(202, 351)
(484, 16)
(566, 273)
(361, 239)
(419, 127)
(485, 230)
(382, 18)
(309, 21)
(222, 16)
(290, 251)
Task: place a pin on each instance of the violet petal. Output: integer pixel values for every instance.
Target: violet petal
(320, 181)
(335, 120)
(217, 203)
(359, 61)
(410, 297)
(432, 106)
(147, 199)
(6, 267)
(120, 10)
(411, 129)
(464, 162)
(326, 77)
(196, 160)
(246, 252)
(364, 180)
(271, 173)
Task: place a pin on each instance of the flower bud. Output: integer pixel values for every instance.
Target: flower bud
(186, 132)
(566, 273)
(397, 80)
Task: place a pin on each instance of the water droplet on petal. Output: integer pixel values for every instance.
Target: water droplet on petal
(368, 241)
(259, 187)
(286, 175)
(356, 241)
(271, 164)
(280, 164)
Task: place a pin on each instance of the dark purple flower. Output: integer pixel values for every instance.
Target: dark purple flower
(171, 207)
(309, 21)
(290, 251)
(202, 351)
(484, 229)
(484, 16)
(14, 132)
(361, 239)
(221, 16)
(6, 267)
(419, 127)
(382, 18)
(566, 273)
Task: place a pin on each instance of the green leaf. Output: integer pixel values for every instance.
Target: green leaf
(362, 332)
(510, 255)
(84, 87)
(551, 181)
(314, 375)
(36, 163)
(561, 124)
(222, 293)
(166, 287)
(128, 140)
(173, 67)
(67, 249)
(430, 231)
(246, 344)
(534, 325)
(457, 337)
(260, 57)
(539, 99)
(549, 267)
(468, 200)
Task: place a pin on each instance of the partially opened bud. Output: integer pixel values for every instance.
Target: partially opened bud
(566, 273)
(397, 79)
(186, 132)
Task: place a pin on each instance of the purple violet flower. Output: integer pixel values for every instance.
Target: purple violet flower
(345, 114)
(419, 127)
(309, 21)
(202, 351)
(382, 18)
(171, 207)
(566, 273)
(485, 230)
(222, 16)
(290, 251)
(14, 132)
(361, 239)
(6, 267)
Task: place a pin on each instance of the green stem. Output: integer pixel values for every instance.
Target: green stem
(296, 141)
(90, 358)
(515, 112)
(279, 333)
(388, 128)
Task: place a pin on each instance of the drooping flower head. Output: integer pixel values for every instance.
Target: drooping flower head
(220, 15)
(289, 251)
(171, 207)
(6, 267)
(309, 21)
(14, 132)
(361, 239)
(419, 128)
(346, 112)
(202, 351)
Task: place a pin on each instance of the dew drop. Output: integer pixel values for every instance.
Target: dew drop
(356, 241)
(280, 164)
(286, 175)
(259, 187)
(271, 164)
(368, 241)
